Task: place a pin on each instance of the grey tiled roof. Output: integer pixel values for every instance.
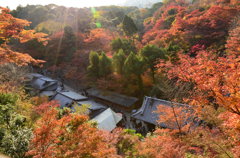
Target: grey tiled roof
(63, 100)
(147, 112)
(41, 82)
(66, 98)
(113, 97)
(106, 118)
(73, 95)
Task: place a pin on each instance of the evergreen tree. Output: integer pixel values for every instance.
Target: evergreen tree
(118, 61)
(93, 68)
(151, 53)
(129, 26)
(134, 65)
(68, 45)
(125, 44)
(105, 65)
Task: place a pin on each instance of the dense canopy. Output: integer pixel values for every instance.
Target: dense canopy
(177, 50)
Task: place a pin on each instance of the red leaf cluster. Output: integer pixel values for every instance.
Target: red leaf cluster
(68, 136)
(11, 27)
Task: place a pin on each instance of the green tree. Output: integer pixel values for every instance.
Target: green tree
(105, 65)
(134, 65)
(93, 68)
(127, 142)
(172, 50)
(118, 61)
(151, 53)
(68, 45)
(69, 40)
(125, 44)
(14, 134)
(129, 26)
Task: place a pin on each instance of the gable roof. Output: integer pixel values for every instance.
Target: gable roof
(113, 97)
(66, 98)
(72, 95)
(41, 82)
(108, 120)
(147, 112)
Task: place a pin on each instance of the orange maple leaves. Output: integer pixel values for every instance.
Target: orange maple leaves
(20, 59)
(175, 116)
(233, 42)
(216, 81)
(162, 145)
(11, 27)
(187, 27)
(70, 135)
(100, 39)
(213, 76)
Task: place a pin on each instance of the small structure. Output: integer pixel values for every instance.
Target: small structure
(108, 120)
(146, 118)
(42, 85)
(67, 98)
(118, 102)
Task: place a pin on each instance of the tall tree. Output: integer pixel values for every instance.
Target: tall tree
(151, 54)
(134, 65)
(129, 26)
(67, 45)
(93, 68)
(118, 61)
(125, 44)
(105, 65)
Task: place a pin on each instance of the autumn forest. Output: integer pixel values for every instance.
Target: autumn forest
(183, 54)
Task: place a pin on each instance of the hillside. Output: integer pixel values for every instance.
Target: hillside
(121, 81)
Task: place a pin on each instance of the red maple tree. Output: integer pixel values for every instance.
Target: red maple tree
(68, 136)
(14, 28)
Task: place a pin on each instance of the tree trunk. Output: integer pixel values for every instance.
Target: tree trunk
(153, 74)
(140, 84)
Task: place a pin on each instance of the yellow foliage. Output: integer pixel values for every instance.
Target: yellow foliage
(82, 110)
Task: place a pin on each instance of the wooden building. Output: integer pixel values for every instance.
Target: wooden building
(118, 102)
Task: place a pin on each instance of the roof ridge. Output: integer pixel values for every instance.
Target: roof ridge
(165, 100)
